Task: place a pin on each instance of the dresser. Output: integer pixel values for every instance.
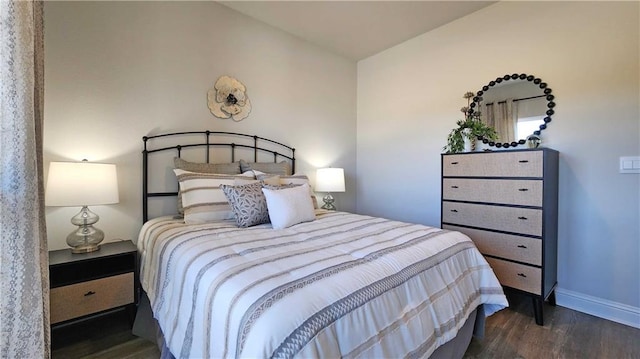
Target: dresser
(507, 203)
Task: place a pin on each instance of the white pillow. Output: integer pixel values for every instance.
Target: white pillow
(289, 206)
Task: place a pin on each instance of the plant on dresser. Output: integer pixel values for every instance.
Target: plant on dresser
(507, 203)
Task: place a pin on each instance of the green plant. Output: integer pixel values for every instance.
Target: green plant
(471, 128)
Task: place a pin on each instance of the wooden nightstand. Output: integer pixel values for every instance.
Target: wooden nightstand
(87, 284)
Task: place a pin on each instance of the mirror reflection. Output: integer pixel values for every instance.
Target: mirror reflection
(517, 106)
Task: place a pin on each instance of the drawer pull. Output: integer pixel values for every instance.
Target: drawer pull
(454, 186)
(523, 189)
(89, 293)
(522, 275)
(523, 161)
(523, 218)
(454, 163)
(454, 210)
(521, 246)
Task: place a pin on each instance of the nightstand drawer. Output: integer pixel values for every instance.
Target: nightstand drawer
(508, 219)
(516, 192)
(494, 164)
(77, 300)
(518, 276)
(508, 246)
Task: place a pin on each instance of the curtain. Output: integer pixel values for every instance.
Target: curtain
(503, 116)
(24, 267)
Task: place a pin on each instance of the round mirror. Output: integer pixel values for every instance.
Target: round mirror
(517, 106)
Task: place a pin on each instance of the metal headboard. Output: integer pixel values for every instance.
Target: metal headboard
(207, 145)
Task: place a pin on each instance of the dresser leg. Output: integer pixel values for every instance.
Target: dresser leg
(537, 309)
(552, 298)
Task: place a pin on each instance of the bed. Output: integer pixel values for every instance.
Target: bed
(328, 284)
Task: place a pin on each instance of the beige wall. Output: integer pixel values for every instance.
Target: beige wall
(588, 52)
(116, 71)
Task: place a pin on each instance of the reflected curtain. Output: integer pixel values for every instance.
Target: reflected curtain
(503, 116)
(24, 267)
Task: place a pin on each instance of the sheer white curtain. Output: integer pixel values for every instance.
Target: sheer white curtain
(24, 267)
(506, 117)
(503, 116)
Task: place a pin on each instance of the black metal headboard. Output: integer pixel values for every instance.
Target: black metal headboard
(209, 140)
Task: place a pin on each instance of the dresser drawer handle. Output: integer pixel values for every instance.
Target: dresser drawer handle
(523, 161)
(522, 275)
(89, 293)
(454, 163)
(521, 246)
(523, 189)
(454, 186)
(454, 210)
(523, 218)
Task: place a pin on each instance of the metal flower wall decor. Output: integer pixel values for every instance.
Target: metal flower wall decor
(228, 99)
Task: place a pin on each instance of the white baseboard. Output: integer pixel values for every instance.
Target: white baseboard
(602, 308)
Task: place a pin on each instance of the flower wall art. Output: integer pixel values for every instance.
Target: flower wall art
(228, 99)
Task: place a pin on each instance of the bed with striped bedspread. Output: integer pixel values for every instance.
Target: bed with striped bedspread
(344, 285)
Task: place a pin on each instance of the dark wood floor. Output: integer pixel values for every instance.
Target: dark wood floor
(510, 333)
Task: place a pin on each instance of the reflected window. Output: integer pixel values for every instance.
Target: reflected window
(529, 125)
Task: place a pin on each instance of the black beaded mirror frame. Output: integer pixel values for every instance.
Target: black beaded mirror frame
(543, 85)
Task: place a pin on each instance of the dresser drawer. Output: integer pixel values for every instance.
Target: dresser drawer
(494, 164)
(519, 276)
(517, 248)
(76, 300)
(518, 192)
(508, 219)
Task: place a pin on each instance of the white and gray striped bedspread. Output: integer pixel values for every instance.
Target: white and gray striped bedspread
(344, 285)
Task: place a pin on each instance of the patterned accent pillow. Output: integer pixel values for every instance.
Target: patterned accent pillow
(274, 168)
(202, 196)
(248, 204)
(289, 206)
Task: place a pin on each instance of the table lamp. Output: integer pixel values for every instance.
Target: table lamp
(83, 184)
(329, 180)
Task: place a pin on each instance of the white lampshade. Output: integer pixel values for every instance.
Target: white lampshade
(330, 180)
(81, 184)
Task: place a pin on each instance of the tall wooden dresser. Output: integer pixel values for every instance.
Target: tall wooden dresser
(507, 202)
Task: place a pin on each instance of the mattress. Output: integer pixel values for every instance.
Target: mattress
(343, 285)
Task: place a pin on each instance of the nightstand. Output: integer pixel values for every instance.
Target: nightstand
(85, 285)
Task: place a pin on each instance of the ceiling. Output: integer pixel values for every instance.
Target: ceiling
(356, 29)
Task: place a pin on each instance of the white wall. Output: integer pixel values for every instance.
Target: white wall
(588, 52)
(116, 71)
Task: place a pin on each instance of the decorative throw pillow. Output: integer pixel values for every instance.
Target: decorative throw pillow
(248, 204)
(275, 168)
(218, 168)
(300, 179)
(289, 206)
(269, 179)
(202, 197)
(221, 168)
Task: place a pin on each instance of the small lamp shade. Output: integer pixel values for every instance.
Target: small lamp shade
(71, 184)
(329, 180)
(81, 184)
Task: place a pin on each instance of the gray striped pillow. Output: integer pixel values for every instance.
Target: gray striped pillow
(202, 198)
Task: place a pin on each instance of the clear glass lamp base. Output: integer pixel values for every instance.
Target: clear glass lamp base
(328, 202)
(86, 238)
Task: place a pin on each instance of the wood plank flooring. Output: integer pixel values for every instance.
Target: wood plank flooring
(510, 333)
